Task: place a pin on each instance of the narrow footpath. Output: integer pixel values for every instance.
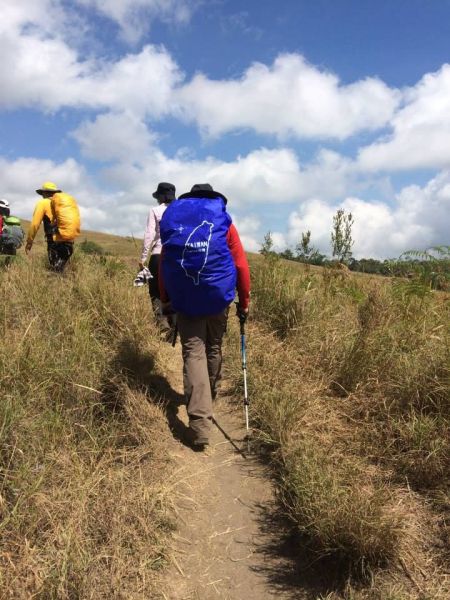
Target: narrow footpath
(227, 540)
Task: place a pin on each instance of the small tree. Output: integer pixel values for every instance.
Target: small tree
(341, 235)
(303, 249)
(306, 253)
(91, 247)
(267, 245)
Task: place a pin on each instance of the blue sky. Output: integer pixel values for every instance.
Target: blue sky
(292, 109)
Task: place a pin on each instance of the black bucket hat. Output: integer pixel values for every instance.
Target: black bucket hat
(203, 190)
(165, 192)
(202, 187)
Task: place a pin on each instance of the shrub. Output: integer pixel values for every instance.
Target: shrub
(91, 247)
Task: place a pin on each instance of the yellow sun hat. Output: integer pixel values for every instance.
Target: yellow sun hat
(48, 186)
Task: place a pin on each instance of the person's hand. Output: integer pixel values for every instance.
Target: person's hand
(241, 313)
(141, 266)
(28, 246)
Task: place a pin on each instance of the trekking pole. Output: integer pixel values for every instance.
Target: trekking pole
(244, 370)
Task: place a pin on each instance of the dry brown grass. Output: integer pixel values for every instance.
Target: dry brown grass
(83, 448)
(349, 390)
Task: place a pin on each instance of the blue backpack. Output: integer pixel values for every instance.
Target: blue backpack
(197, 267)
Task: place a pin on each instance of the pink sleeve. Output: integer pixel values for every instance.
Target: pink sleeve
(149, 235)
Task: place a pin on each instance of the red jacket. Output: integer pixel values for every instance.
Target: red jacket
(240, 262)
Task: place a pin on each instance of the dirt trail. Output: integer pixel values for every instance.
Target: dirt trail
(224, 504)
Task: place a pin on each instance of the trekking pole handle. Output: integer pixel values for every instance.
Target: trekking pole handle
(242, 325)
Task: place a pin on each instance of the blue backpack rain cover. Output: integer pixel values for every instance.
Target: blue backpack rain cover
(197, 267)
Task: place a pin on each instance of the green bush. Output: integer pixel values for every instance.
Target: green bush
(90, 247)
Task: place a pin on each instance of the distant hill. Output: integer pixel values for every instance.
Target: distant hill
(114, 244)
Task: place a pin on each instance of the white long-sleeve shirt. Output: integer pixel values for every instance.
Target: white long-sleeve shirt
(152, 236)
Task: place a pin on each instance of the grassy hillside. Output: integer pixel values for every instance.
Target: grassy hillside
(350, 387)
(83, 451)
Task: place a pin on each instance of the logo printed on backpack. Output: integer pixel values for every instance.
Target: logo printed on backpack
(196, 249)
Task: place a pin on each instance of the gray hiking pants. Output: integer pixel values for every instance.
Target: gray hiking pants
(201, 341)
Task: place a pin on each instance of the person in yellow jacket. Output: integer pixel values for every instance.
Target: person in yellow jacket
(61, 217)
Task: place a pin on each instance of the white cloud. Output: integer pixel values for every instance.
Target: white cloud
(141, 83)
(421, 136)
(115, 136)
(263, 176)
(328, 175)
(44, 72)
(47, 15)
(20, 178)
(135, 17)
(248, 228)
(291, 97)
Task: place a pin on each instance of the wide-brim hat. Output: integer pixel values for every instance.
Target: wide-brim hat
(202, 187)
(203, 190)
(165, 190)
(48, 186)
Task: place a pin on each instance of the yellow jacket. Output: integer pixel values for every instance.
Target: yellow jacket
(42, 212)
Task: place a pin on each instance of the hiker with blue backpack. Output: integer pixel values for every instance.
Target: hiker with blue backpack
(11, 232)
(202, 264)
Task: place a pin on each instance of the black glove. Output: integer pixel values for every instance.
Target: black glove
(241, 313)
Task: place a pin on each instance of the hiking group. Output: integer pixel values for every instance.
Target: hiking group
(197, 262)
(60, 216)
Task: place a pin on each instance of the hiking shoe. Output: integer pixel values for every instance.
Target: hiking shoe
(201, 441)
(198, 441)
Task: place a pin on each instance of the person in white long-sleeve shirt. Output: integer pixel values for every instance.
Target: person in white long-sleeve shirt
(164, 194)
